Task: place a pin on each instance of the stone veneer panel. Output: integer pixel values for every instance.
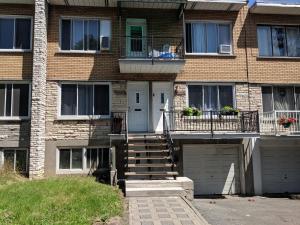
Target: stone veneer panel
(80, 129)
(14, 134)
(38, 99)
(179, 101)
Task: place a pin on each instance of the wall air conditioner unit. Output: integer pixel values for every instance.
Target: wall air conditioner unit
(104, 43)
(225, 49)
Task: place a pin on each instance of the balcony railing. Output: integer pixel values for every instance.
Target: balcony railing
(273, 123)
(214, 122)
(152, 47)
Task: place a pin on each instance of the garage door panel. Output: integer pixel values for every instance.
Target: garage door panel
(213, 169)
(280, 169)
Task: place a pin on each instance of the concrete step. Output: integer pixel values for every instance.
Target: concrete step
(155, 192)
(148, 151)
(141, 144)
(148, 158)
(146, 138)
(153, 173)
(149, 165)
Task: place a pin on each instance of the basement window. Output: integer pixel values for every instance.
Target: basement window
(97, 158)
(70, 159)
(15, 159)
(14, 100)
(15, 33)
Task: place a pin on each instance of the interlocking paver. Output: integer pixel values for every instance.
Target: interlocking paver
(161, 211)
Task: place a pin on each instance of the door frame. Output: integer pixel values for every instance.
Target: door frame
(171, 83)
(135, 22)
(148, 93)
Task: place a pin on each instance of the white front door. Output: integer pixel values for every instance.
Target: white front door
(161, 100)
(137, 106)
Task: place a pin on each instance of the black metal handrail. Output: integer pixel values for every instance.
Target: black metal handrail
(170, 141)
(214, 121)
(151, 47)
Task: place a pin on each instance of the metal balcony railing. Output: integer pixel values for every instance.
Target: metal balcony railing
(214, 121)
(151, 47)
(280, 122)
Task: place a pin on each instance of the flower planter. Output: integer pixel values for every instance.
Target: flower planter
(229, 113)
(286, 125)
(117, 125)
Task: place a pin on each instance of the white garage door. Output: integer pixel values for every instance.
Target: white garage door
(213, 168)
(280, 169)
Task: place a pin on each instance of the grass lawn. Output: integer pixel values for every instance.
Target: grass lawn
(65, 200)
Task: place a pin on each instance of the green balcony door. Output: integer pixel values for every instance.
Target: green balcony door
(136, 40)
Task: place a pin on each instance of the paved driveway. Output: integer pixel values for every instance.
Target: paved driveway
(249, 211)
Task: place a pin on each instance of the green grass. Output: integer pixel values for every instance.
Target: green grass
(68, 200)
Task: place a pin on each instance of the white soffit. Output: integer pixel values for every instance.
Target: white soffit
(17, 1)
(223, 5)
(269, 8)
(93, 3)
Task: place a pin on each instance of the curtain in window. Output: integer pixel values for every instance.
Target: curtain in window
(85, 100)
(284, 98)
(195, 96)
(6, 33)
(279, 41)
(198, 38)
(267, 99)
(68, 99)
(226, 96)
(293, 39)
(264, 41)
(210, 98)
(212, 37)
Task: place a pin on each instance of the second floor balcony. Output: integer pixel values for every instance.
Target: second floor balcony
(151, 54)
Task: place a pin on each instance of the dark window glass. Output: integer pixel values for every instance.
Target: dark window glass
(195, 96)
(21, 159)
(9, 156)
(8, 99)
(6, 33)
(297, 95)
(93, 35)
(78, 34)
(94, 158)
(224, 34)
(105, 160)
(85, 100)
(225, 96)
(267, 99)
(20, 99)
(212, 37)
(23, 33)
(2, 99)
(68, 99)
(64, 159)
(101, 100)
(76, 158)
(65, 34)
(188, 38)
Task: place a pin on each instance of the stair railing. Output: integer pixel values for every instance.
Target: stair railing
(171, 145)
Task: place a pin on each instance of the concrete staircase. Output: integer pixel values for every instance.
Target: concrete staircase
(148, 156)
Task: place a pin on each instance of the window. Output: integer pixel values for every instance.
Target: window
(70, 159)
(210, 97)
(278, 41)
(85, 34)
(16, 159)
(85, 100)
(15, 33)
(14, 100)
(97, 158)
(208, 37)
(280, 98)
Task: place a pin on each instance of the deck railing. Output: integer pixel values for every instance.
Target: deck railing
(214, 121)
(151, 47)
(272, 123)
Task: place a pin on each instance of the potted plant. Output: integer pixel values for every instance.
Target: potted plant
(191, 111)
(117, 124)
(286, 122)
(229, 111)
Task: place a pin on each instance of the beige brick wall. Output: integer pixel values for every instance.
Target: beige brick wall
(270, 70)
(16, 65)
(80, 129)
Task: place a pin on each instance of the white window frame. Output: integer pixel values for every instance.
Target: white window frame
(279, 85)
(83, 117)
(31, 32)
(84, 169)
(271, 25)
(99, 19)
(211, 84)
(15, 157)
(8, 118)
(214, 22)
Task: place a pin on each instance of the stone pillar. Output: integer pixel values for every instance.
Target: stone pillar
(38, 99)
